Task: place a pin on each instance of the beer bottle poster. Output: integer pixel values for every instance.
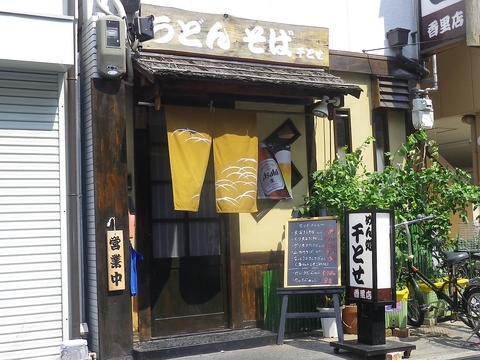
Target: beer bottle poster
(312, 252)
(274, 172)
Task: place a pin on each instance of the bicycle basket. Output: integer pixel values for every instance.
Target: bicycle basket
(469, 237)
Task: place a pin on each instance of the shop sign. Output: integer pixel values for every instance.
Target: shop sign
(442, 22)
(223, 35)
(115, 260)
(370, 249)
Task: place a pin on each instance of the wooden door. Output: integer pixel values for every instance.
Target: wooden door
(188, 272)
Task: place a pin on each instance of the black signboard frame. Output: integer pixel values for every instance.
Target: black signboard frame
(312, 253)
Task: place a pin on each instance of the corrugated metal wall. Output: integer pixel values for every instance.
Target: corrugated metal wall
(31, 219)
(89, 61)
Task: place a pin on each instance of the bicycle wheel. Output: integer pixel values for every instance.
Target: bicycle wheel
(471, 306)
(415, 315)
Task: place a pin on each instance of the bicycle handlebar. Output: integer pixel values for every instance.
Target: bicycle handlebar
(419, 219)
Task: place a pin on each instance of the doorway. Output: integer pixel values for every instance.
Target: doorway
(187, 266)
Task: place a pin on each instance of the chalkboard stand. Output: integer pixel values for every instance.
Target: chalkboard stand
(335, 291)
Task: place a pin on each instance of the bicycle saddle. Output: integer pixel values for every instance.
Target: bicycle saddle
(455, 257)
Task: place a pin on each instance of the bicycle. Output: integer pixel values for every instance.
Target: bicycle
(462, 300)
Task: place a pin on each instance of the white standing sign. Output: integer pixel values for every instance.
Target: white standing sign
(370, 256)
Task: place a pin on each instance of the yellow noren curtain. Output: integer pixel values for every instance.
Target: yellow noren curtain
(235, 151)
(189, 132)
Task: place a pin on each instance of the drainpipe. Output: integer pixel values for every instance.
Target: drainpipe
(422, 71)
(74, 248)
(433, 79)
(471, 121)
(474, 135)
(397, 39)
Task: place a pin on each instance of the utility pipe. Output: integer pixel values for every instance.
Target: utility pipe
(76, 314)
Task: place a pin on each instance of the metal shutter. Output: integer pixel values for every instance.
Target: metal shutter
(31, 216)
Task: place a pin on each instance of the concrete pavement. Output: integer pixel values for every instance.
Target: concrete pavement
(444, 341)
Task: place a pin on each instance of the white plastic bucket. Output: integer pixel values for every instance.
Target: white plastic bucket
(74, 350)
(329, 327)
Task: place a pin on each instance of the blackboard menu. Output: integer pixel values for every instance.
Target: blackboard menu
(312, 252)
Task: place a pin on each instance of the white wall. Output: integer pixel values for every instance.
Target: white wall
(50, 7)
(355, 25)
(41, 35)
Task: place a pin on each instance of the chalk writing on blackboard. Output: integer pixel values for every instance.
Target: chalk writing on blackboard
(312, 252)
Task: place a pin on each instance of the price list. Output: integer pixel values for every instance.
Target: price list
(312, 252)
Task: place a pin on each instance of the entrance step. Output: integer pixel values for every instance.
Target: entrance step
(204, 343)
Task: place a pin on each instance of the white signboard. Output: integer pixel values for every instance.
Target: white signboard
(370, 254)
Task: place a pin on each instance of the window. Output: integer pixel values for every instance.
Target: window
(380, 132)
(343, 135)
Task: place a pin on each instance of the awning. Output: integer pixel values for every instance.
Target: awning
(315, 82)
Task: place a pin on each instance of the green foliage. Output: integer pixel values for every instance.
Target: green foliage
(411, 187)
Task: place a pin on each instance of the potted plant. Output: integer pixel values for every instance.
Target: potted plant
(324, 303)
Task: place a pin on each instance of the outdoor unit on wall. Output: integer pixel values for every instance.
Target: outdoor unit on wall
(111, 55)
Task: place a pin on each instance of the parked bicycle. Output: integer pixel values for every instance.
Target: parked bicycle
(463, 300)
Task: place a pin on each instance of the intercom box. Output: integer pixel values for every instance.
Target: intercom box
(111, 55)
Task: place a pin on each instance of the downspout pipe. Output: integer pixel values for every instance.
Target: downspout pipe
(422, 71)
(74, 246)
(433, 79)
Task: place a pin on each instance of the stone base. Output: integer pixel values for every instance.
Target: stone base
(371, 350)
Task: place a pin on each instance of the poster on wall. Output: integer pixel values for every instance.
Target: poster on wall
(274, 172)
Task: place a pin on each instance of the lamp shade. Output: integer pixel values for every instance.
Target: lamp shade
(321, 110)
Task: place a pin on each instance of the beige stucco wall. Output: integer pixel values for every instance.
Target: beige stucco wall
(268, 233)
(361, 122)
(396, 129)
(459, 91)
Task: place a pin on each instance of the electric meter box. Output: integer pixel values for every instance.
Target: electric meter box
(111, 56)
(422, 114)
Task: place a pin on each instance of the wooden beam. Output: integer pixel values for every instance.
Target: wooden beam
(368, 64)
(234, 272)
(110, 183)
(201, 89)
(143, 233)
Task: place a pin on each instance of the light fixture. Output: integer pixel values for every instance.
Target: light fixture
(321, 110)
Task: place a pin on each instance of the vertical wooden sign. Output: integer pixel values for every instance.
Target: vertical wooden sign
(115, 260)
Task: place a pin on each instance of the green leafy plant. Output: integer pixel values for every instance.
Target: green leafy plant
(417, 184)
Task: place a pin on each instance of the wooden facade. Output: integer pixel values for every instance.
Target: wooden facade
(110, 183)
(243, 271)
(254, 264)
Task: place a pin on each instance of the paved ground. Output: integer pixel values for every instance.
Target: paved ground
(444, 341)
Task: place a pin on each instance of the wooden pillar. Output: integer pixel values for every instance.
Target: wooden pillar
(143, 236)
(474, 133)
(110, 182)
(472, 22)
(234, 272)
